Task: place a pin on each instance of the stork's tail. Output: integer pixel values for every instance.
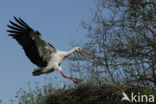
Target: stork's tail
(37, 72)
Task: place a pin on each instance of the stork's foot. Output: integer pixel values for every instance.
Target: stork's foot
(76, 80)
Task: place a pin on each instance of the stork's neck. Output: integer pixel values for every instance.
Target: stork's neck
(70, 52)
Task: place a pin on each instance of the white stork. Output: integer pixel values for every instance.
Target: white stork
(41, 53)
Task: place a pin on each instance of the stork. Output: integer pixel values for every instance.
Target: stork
(41, 53)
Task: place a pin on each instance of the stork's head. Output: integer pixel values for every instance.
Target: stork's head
(78, 49)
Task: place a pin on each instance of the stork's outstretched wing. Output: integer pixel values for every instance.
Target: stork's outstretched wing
(35, 47)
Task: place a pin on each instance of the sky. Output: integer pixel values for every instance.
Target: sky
(57, 20)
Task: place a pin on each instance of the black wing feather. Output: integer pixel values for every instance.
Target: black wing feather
(21, 22)
(31, 42)
(17, 25)
(51, 46)
(14, 28)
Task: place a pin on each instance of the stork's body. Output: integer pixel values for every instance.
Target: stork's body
(54, 62)
(41, 53)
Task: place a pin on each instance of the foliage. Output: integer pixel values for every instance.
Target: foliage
(83, 93)
(33, 94)
(120, 43)
(91, 94)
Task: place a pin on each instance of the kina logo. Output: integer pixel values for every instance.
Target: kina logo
(125, 97)
(137, 97)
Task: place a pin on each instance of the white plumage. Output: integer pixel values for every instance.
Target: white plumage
(41, 53)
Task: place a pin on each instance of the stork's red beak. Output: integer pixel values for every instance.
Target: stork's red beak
(82, 54)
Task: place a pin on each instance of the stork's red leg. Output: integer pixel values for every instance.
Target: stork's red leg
(73, 79)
